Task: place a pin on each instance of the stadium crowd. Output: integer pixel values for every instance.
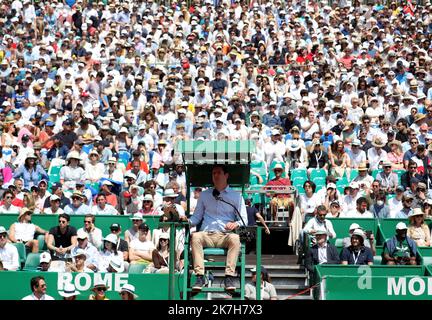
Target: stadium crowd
(95, 95)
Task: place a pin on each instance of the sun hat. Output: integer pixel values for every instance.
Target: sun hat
(169, 193)
(129, 288)
(111, 238)
(117, 263)
(69, 290)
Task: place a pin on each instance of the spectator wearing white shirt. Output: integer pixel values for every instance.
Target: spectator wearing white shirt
(7, 206)
(275, 148)
(102, 207)
(348, 202)
(356, 154)
(93, 233)
(8, 253)
(395, 204)
(326, 122)
(320, 223)
(360, 211)
(363, 178)
(90, 249)
(376, 155)
(38, 287)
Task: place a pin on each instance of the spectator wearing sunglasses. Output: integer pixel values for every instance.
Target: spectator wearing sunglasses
(407, 201)
(127, 292)
(122, 245)
(77, 206)
(8, 253)
(319, 222)
(24, 231)
(410, 175)
(62, 238)
(7, 206)
(99, 290)
(38, 287)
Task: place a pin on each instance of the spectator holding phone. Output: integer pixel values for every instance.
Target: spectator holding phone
(401, 249)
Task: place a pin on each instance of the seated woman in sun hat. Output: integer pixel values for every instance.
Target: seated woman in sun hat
(127, 292)
(418, 230)
(148, 208)
(72, 172)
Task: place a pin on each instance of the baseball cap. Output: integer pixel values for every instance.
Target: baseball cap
(354, 185)
(81, 234)
(115, 227)
(44, 257)
(401, 226)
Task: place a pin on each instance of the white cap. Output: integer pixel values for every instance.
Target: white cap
(54, 197)
(277, 166)
(81, 234)
(354, 226)
(44, 257)
(331, 185)
(275, 132)
(401, 226)
(354, 185)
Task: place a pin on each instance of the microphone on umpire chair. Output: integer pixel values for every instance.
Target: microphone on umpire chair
(217, 196)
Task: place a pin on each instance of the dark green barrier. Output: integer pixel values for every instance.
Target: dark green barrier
(16, 285)
(103, 222)
(393, 287)
(344, 270)
(387, 228)
(425, 255)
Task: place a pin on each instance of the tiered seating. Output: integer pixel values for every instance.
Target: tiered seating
(341, 183)
(124, 157)
(318, 176)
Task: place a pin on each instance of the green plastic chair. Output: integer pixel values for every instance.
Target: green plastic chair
(137, 268)
(32, 262)
(399, 172)
(342, 183)
(320, 182)
(375, 173)
(353, 174)
(339, 242)
(295, 173)
(41, 243)
(299, 181)
(21, 252)
(55, 170)
(318, 173)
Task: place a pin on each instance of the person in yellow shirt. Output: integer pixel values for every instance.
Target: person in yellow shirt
(99, 290)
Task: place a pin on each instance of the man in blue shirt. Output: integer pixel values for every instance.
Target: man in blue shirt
(219, 220)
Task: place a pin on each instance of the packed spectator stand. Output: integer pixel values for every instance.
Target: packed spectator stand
(95, 96)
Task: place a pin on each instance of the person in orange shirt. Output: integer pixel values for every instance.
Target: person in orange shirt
(136, 156)
(46, 135)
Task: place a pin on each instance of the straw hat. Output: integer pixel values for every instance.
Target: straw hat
(416, 212)
(377, 142)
